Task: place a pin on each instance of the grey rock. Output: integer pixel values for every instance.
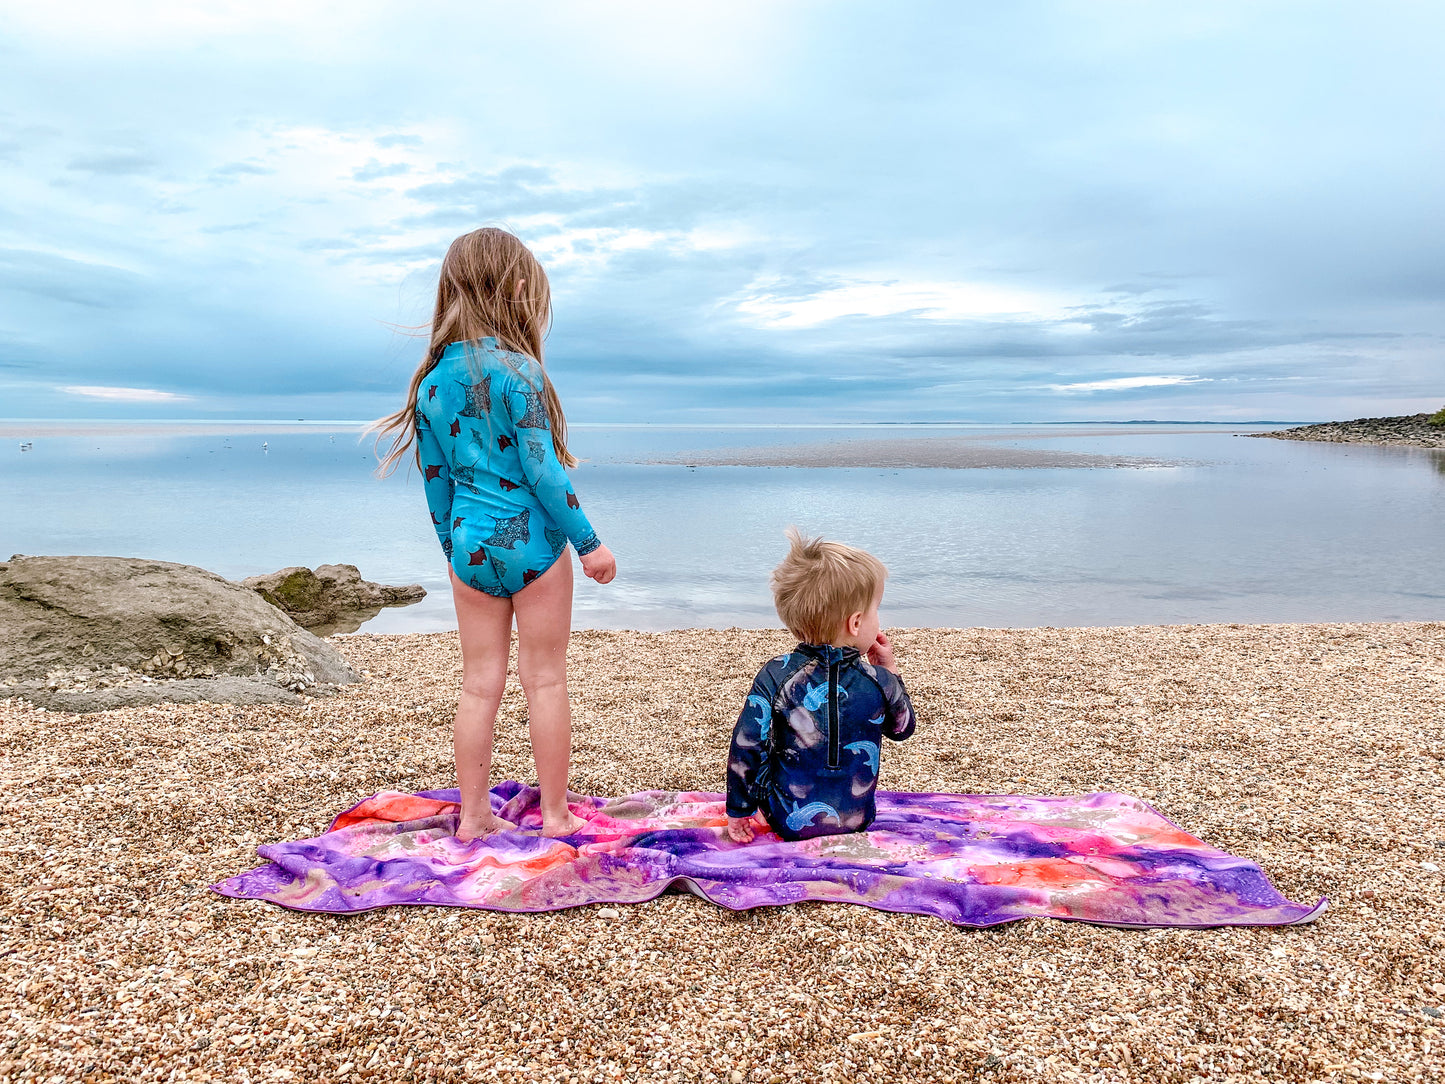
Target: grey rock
(84, 633)
(334, 598)
(1410, 430)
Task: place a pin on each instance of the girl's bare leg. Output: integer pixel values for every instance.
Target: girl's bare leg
(484, 624)
(544, 624)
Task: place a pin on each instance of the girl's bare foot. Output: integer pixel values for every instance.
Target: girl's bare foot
(484, 826)
(557, 826)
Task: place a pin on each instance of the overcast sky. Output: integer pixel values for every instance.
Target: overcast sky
(778, 211)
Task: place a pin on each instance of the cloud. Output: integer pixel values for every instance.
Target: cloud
(554, 201)
(60, 278)
(229, 227)
(375, 170)
(1128, 383)
(231, 172)
(489, 197)
(1006, 217)
(18, 353)
(327, 244)
(115, 163)
(123, 395)
(793, 307)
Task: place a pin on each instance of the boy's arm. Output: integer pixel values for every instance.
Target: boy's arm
(898, 717)
(544, 472)
(436, 481)
(742, 829)
(749, 746)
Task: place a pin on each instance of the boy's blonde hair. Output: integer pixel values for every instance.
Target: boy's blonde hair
(819, 585)
(490, 284)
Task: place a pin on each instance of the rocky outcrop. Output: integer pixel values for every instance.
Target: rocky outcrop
(86, 633)
(1413, 430)
(334, 598)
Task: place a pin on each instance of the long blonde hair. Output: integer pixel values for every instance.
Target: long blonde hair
(491, 284)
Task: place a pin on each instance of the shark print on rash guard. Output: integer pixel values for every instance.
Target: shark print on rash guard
(805, 749)
(502, 504)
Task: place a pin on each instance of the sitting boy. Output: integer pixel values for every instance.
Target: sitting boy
(806, 745)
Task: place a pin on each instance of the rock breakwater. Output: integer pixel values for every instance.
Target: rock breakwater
(1411, 430)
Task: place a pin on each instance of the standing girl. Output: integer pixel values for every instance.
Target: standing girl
(491, 442)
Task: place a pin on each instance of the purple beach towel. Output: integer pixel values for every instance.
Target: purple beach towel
(973, 860)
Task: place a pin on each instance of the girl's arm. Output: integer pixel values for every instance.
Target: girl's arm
(544, 473)
(436, 481)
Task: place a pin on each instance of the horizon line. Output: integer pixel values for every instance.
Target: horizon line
(843, 424)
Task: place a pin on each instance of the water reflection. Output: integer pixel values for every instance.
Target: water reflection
(351, 620)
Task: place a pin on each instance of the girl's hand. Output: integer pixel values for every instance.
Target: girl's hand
(740, 829)
(599, 565)
(881, 653)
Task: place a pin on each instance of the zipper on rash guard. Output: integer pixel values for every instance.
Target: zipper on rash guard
(834, 741)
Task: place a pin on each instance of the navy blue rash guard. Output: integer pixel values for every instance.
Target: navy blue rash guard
(806, 745)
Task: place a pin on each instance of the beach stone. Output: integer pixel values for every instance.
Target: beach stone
(91, 633)
(333, 598)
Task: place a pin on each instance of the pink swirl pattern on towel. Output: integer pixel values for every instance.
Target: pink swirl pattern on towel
(973, 860)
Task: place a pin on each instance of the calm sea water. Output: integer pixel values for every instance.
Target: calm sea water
(1234, 529)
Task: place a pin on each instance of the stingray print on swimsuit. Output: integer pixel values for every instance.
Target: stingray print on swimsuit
(500, 500)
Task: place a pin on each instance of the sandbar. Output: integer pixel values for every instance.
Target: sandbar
(953, 453)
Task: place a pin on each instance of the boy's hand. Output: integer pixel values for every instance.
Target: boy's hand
(740, 829)
(881, 653)
(599, 565)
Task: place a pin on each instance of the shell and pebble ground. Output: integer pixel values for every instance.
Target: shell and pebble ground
(1315, 750)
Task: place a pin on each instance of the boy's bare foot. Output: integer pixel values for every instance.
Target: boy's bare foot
(482, 827)
(559, 827)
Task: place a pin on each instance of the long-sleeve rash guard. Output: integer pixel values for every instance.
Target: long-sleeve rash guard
(806, 746)
(501, 503)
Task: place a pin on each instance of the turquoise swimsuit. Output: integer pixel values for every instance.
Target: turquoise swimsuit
(500, 501)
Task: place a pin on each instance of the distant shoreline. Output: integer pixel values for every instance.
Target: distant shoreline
(1406, 430)
(17, 429)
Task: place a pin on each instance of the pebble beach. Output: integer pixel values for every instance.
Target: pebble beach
(1315, 750)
